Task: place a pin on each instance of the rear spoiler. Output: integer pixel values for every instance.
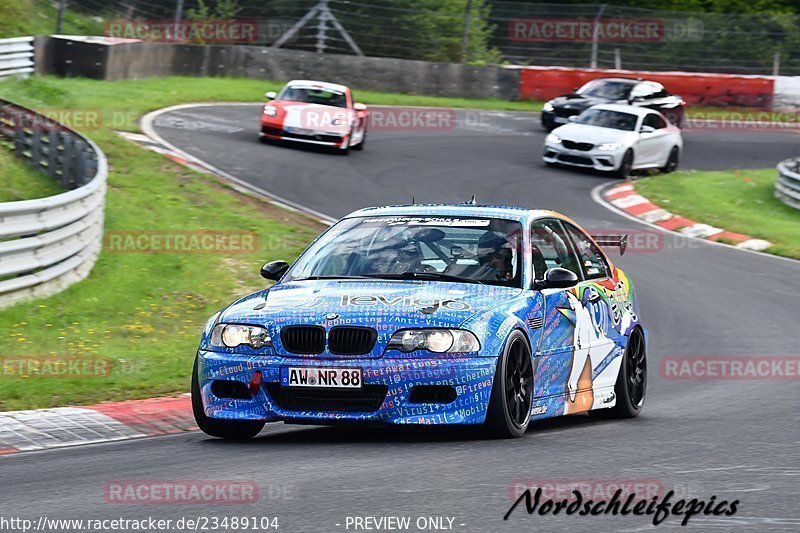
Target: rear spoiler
(620, 241)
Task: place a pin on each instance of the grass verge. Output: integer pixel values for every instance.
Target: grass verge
(21, 182)
(741, 201)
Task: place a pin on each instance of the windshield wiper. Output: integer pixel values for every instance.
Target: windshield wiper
(425, 275)
(330, 277)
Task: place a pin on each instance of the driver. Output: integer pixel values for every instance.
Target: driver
(494, 255)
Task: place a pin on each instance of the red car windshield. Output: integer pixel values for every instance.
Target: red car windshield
(311, 95)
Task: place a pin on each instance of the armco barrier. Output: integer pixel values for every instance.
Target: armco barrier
(47, 244)
(544, 83)
(16, 56)
(787, 186)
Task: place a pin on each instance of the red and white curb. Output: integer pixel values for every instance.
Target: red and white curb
(39, 429)
(625, 198)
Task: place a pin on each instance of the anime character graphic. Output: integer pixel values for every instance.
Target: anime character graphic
(593, 346)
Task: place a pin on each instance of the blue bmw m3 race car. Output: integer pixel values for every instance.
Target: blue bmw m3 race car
(429, 314)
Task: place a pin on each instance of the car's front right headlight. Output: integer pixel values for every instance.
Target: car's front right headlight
(435, 340)
(553, 138)
(547, 106)
(270, 110)
(233, 335)
(608, 147)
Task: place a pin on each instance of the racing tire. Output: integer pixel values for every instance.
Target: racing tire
(672, 161)
(631, 386)
(509, 411)
(224, 429)
(625, 166)
(360, 146)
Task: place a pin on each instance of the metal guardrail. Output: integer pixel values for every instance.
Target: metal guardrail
(16, 56)
(787, 187)
(47, 244)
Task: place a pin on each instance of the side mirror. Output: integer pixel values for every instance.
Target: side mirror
(271, 95)
(359, 107)
(647, 129)
(572, 118)
(556, 278)
(274, 270)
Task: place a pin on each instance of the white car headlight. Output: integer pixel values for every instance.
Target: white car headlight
(233, 335)
(547, 106)
(608, 147)
(553, 138)
(270, 110)
(435, 340)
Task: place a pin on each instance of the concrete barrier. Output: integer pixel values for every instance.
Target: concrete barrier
(543, 83)
(116, 59)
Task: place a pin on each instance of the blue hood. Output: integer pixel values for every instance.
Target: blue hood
(384, 305)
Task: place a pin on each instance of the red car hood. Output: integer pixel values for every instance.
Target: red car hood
(314, 117)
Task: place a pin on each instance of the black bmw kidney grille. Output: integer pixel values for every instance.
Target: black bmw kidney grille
(303, 339)
(344, 340)
(573, 145)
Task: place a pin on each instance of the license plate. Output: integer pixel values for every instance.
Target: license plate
(560, 120)
(302, 376)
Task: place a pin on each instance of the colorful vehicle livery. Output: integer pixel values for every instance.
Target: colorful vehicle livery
(315, 112)
(429, 314)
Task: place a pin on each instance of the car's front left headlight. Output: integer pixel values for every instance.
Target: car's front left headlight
(608, 147)
(233, 335)
(270, 110)
(553, 138)
(547, 106)
(435, 340)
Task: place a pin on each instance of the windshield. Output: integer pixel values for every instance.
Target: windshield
(453, 249)
(611, 90)
(608, 119)
(311, 95)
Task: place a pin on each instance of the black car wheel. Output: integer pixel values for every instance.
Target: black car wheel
(631, 386)
(672, 161)
(626, 165)
(224, 429)
(512, 391)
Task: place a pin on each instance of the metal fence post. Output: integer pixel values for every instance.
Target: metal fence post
(596, 35)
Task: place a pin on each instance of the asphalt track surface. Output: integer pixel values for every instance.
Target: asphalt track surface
(729, 439)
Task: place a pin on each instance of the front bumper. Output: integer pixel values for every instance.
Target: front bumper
(388, 384)
(320, 138)
(594, 158)
(552, 119)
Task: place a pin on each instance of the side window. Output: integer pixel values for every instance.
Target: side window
(550, 248)
(591, 258)
(653, 120)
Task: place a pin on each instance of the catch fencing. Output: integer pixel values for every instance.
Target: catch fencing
(579, 35)
(46, 244)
